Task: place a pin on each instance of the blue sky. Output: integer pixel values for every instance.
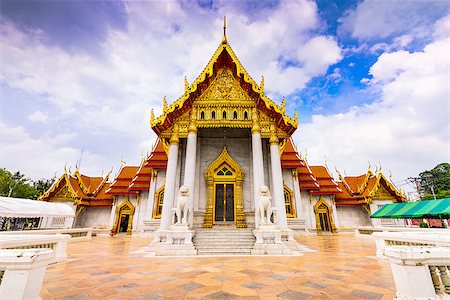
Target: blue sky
(370, 79)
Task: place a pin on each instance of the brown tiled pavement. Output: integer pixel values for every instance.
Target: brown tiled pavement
(343, 267)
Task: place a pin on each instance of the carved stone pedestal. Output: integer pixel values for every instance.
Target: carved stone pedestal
(177, 241)
(268, 241)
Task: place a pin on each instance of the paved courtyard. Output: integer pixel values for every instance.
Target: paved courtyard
(343, 267)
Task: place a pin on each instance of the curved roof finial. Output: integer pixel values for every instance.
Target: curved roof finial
(224, 39)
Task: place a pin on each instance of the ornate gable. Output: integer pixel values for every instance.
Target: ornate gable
(223, 96)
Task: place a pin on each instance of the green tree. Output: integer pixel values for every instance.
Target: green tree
(436, 180)
(18, 186)
(42, 185)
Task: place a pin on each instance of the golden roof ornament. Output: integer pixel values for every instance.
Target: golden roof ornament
(224, 39)
(283, 106)
(152, 117)
(165, 105)
(296, 117)
(186, 85)
(261, 86)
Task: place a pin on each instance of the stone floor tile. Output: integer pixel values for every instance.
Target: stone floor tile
(293, 295)
(366, 295)
(254, 285)
(191, 286)
(221, 296)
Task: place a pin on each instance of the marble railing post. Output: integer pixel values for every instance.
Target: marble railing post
(151, 195)
(277, 180)
(169, 189)
(189, 168)
(258, 167)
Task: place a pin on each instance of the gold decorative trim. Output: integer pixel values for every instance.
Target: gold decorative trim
(126, 208)
(209, 71)
(211, 178)
(291, 198)
(157, 203)
(322, 205)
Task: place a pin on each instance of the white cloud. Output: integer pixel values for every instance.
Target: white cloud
(38, 116)
(407, 129)
(110, 95)
(42, 157)
(381, 19)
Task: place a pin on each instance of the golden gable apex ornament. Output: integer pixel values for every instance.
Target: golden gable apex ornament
(224, 69)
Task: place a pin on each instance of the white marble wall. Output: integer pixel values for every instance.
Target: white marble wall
(94, 217)
(351, 216)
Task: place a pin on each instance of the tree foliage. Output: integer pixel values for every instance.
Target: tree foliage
(437, 179)
(18, 186)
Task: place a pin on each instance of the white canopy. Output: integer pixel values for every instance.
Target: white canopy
(26, 208)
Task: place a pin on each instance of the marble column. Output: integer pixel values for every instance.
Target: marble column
(169, 189)
(189, 167)
(151, 195)
(277, 180)
(258, 166)
(297, 195)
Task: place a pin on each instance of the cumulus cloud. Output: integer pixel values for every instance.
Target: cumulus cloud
(381, 19)
(406, 129)
(43, 156)
(38, 116)
(105, 96)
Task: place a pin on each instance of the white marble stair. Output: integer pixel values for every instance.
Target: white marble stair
(224, 241)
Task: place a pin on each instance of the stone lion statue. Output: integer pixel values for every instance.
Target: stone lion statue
(182, 209)
(265, 205)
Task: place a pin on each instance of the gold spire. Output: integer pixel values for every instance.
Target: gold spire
(261, 86)
(224, 39)
(165, 105)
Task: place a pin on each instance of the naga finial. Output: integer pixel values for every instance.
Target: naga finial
(152, 117)
(224, 39)
(186, 85)
(296, 117)
(261, 86)
(283, 106)
(165, 105)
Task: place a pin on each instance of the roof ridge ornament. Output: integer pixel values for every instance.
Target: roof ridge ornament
(261, 86)
(224, 39)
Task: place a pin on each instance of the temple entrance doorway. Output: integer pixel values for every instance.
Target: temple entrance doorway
(124, 218)
(224, 178)
(324, 222)
(224, 203)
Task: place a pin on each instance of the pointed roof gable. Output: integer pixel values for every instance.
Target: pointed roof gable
(81, 189)
(364, 188)
(327, 185)
(223, 58)
(122, 181)
(156, 160)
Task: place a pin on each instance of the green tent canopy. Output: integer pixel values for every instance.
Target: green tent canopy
(439, 208)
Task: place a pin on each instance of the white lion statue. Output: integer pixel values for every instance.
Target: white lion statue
(182, 209)
(264, 209)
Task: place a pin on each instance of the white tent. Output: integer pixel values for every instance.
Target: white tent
(25, 208)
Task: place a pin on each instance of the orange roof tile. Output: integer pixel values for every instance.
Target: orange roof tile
(122, 181)
(85, 190)
(361, 189)
(327, 185)
(290, 158)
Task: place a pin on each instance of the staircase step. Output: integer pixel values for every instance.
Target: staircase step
(224, 241)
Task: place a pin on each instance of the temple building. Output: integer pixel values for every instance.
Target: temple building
(223, 139)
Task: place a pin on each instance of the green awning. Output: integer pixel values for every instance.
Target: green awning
(384, 211)
(442, 209)
(439, 208)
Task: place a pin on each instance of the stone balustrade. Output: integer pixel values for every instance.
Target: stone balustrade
(420, 272)
(56, 243)
(369, 230)
(77, 234)
(22, 272)
(436, 238)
